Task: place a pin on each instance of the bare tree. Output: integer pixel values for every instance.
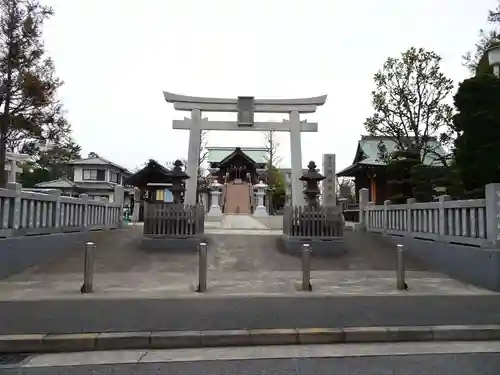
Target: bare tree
(203, 148)
(272, 145)
(346, 189)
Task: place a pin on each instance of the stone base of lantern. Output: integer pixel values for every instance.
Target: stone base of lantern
(215, 212)
(260, 211)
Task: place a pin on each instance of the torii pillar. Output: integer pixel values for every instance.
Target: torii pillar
(245, 106)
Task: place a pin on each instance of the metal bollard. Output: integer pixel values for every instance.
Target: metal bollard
(88, 271)
(202, 268)
(400, 267)
(306, 267)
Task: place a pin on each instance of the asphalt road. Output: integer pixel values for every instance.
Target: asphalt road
(470, 364)
(240, 313)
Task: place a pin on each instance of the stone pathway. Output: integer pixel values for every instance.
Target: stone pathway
(250, 283)
(241, 222)
(244, 264)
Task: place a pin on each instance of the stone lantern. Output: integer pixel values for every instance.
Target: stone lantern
(494, 58)
(215, 210)
(312, 177)
(260, 210)
(178, 185)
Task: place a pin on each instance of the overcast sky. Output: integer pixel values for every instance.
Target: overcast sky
(117, 56)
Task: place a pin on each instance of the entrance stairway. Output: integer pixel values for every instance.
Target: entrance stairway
(237, 199)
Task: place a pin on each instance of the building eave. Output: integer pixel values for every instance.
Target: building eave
(351, 170)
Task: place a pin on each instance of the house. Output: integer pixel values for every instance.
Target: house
(95, 176)
(369, 171)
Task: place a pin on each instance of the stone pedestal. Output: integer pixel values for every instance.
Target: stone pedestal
(260, 210)
(215, 210)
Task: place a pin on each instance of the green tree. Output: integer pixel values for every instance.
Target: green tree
(48, 163)
(409, 102)
(28, 84)
(398, 172)
(477, 148)
(278, 188)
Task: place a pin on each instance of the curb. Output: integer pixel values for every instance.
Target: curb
(47, 343)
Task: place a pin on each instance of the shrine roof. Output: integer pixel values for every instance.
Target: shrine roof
(217, 154)
(367, 153)
(152, 172)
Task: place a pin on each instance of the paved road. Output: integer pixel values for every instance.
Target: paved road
(239, 313)
(470, 364)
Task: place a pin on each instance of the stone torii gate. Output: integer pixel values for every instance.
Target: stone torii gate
(245, 106)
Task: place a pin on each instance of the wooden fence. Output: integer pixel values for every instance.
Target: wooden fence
(461, 221)
(29, 213)
(306, 222)
(173, 220)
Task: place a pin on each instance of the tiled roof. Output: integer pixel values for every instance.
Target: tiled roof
(369, 145)
(64, 183)
(98, 161)
(217, 154)
(367, 152)
(59, 183)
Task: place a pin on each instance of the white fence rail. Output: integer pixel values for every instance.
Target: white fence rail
(29, 213)
(468, 222)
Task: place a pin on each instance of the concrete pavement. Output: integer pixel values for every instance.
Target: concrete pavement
(220, 313)
(238, 263)
(451, 358)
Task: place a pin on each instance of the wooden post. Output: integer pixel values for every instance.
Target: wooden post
(493, 213)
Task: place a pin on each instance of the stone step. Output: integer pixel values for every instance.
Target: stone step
(47, 343)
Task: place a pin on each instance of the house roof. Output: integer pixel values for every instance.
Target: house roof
(60, 183)
(64, 183)
(218, 154)
(367, 153)
(98, 161)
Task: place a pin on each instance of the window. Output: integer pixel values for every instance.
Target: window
(90, 174)
(114, 177)
(101, 175)
(94, 174)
